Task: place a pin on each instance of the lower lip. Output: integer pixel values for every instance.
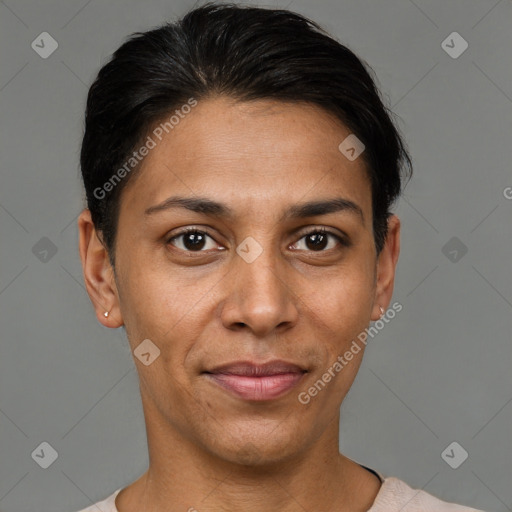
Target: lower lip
(257, 388)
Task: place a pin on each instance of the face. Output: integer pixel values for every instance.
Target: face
(241, 269)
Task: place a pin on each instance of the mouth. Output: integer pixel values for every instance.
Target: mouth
(257, 382)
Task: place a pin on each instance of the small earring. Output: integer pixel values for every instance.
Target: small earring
(106, 314)
(381, 311)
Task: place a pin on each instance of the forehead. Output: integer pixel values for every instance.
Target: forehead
(250, 153)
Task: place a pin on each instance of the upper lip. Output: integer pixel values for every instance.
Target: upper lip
(250, 369)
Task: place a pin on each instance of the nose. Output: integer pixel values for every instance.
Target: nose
(259, 298)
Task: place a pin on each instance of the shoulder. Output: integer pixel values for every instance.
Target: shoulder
(107, 505)
(396, 495)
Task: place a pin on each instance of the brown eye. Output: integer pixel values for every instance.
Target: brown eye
(192, 240)
(319, 240)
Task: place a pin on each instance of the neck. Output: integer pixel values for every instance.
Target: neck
(185, 476)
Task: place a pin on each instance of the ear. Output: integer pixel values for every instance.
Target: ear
(98, 273)
(386, 265)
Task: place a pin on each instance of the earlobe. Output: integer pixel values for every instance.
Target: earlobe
(98, 273)
(386, 268)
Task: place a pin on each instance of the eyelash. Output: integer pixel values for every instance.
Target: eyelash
(343, 242)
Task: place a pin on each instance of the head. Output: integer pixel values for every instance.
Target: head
(237, 114)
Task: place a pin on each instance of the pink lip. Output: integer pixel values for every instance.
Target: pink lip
(257, 382)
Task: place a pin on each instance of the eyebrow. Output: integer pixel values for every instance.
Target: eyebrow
(213, 208)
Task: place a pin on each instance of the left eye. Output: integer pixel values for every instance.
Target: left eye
(318, 240)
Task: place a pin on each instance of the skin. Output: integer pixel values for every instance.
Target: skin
(207, 448)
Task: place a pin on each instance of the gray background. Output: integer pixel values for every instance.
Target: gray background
(439, 372)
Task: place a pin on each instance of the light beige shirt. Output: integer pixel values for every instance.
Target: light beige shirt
(394, 496)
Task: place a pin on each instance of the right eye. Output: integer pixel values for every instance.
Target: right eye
(192, 240)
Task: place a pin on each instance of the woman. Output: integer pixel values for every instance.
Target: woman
(240, 168)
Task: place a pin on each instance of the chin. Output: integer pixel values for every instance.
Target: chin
(258, 449)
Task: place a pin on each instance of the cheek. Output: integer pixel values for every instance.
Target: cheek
(340, 311)
(153, 298)
(173, 313)
(344, 300)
